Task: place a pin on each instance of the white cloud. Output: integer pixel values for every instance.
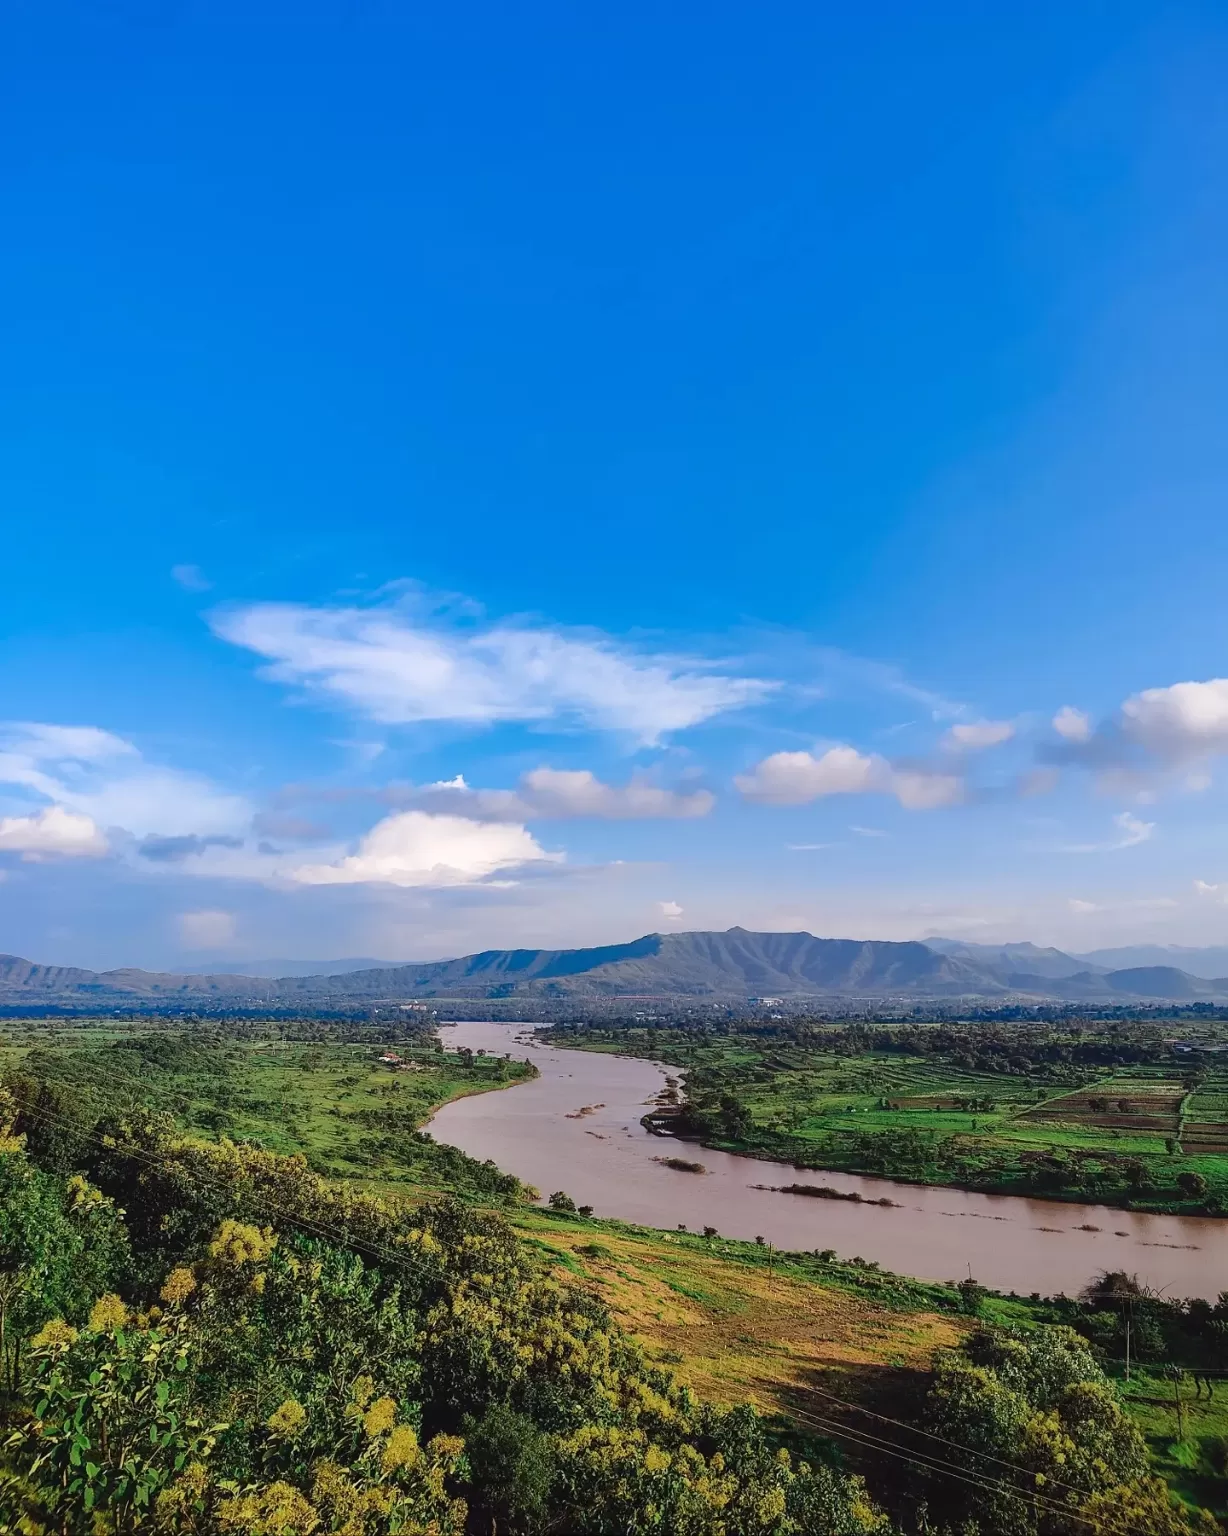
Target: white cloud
(796, 778)
(557, 793)
(670, 910)
(867, 831)
(918, 790)
(1133, 831)
(209, 929)
(1072, 724)
(1130, 832)
(414, 848)
(51, 832)
(191, 578)
(94, 774)
(1204, 888)
(1184, 720)
(401, 667)
(978, 736)
(1082, 907)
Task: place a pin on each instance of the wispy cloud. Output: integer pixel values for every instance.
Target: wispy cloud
(1130, 833)
(93, 773)
(191, 578)
(408, 662)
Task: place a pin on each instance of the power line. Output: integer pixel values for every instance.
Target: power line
(941, 1468)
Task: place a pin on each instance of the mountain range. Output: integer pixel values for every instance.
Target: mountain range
(736, 964)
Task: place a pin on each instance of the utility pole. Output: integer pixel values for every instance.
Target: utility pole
(1127, 1346)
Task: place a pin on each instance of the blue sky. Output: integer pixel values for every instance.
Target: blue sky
(514, 475)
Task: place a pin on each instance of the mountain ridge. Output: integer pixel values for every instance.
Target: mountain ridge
(736, 963)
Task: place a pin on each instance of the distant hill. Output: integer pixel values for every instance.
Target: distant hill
(1207, 963)
(734, 964)
(1010, 959)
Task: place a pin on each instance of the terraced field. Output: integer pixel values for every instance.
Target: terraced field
(1205, 1126)
(1125, 1103)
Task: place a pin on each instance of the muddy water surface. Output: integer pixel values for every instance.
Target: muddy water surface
(577, 1128)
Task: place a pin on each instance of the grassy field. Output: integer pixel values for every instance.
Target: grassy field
(1121, 1135)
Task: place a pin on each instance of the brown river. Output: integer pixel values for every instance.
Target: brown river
(604, 1158)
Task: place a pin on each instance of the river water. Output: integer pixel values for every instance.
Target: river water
(605, 1158)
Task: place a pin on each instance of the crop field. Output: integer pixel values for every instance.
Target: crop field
(1205, 1126)
(1133, 1103)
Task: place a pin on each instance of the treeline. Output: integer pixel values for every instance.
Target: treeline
(1023, 1050)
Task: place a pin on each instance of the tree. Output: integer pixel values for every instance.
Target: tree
(513, 1465)
(1040, 1403)
(1192, 1185)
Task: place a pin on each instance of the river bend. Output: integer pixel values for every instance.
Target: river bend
(576, 1127)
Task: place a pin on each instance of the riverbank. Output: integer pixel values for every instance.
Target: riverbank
(1062, 1131)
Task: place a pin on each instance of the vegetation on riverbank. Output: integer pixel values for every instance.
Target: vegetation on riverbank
(351, 1114)
(1115, 1115)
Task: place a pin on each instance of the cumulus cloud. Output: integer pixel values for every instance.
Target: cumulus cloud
(415, 848)
(978, 736)
(207, 929)
(401, 666)
(51, 833)
(1072, 724)
(557, 793)
(1159, 737)
(669, 910)
(1182, 721)
(92, 773)
(796, 778)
